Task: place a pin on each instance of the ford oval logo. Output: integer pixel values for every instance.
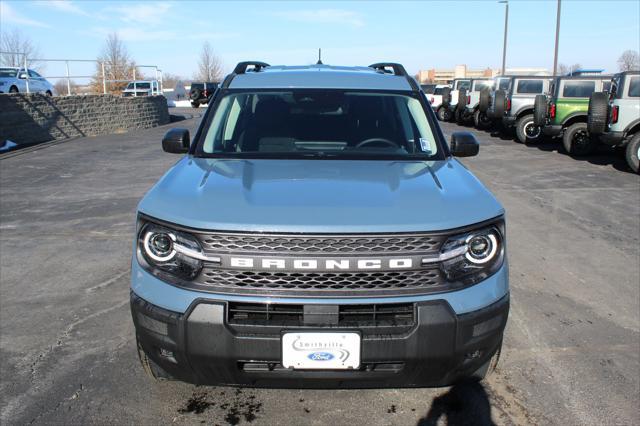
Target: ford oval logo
(320, 356)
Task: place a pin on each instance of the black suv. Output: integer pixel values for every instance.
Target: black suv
(200, 93)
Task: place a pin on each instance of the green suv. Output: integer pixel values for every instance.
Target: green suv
(565, 112)
(616, 117)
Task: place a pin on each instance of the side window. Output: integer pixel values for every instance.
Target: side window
(529, 86)
(33, 74)
(634, 87)
(578, 89)
(464, 85)
(479, 85)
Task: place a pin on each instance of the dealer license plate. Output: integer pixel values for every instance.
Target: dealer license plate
(321, 351)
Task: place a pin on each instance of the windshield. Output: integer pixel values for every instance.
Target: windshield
(141, 85)
(308, 123)
(8, 72)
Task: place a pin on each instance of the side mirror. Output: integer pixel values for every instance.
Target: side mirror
(464, 144)
(176, 141)
(22, 76)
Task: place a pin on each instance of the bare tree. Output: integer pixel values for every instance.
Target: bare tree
(210, 67)
(19, 46)
(170, 80)
(629, 61)
(566, 69)
(61, 87)
(118, 65)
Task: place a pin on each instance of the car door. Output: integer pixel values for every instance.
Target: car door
(35, 82)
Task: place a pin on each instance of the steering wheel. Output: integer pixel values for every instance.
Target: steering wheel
(392, 144)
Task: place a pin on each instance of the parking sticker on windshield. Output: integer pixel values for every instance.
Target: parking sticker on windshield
(425, 145)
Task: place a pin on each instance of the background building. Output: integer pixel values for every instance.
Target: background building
(445, 75)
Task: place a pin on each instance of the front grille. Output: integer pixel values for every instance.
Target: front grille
(400, 315)
(321, 244)
(325, 283)
(222, 278)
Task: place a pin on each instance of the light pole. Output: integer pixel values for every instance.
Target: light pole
(555, 55)
(506, 23)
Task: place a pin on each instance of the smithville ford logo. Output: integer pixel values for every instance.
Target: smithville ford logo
(320, 356)
(325, 264)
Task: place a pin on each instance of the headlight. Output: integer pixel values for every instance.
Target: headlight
(472, 256)
(165, 250)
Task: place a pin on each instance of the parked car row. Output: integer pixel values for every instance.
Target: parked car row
(580, 110)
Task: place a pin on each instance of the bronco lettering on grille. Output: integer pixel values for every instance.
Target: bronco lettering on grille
(324, 264)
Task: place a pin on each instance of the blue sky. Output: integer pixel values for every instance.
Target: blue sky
(419, 34)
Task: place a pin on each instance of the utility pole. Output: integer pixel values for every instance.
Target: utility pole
(555, 55)
(506, 24)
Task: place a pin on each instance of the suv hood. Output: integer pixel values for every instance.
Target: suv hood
(319, 196)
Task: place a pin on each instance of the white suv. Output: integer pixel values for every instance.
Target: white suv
(616, 116)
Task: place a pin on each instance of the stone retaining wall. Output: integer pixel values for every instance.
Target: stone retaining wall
(31, 118)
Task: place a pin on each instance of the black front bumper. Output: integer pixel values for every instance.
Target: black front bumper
(202, 347)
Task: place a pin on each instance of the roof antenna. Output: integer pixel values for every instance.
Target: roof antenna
(319, 57)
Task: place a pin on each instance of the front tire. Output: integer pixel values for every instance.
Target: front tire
(577, 141)
(152, 369)
(632, 153)
(13, 89)
(527, 131)
(195, 105)
(48, 93)
(488, 367)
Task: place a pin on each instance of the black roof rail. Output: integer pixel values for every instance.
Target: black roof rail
(241, 68)
(398, 70)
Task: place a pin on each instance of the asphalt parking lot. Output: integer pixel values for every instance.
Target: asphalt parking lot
(572, 349)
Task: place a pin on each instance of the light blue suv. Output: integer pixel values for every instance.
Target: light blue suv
(318, 232)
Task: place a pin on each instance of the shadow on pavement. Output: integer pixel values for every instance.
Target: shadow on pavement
(463, 404)
(603, 155)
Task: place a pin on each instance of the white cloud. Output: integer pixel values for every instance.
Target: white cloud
(9, 16)
(323, 16)
(137, 34)
(63, 6)
(151, 13)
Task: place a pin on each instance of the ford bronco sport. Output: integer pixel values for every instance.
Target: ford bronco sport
(319, 233)
(514, 106)
(615, 117)
(564, 113)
